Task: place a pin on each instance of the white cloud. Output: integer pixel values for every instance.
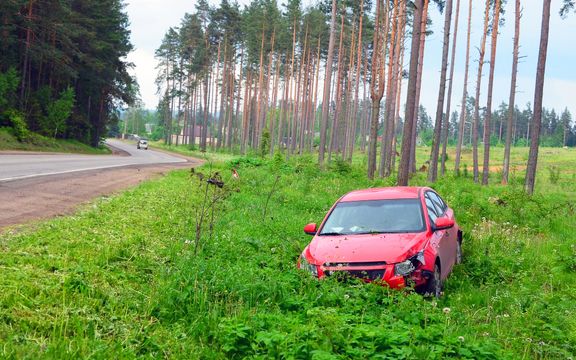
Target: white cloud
(145, 72)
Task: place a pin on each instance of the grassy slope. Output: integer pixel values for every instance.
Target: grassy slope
(41, 143)
(121, 276)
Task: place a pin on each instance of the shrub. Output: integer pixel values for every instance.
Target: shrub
(553, 174)
(19, 127)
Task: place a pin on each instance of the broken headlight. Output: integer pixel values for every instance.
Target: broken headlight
(406, 267)
(305, 265)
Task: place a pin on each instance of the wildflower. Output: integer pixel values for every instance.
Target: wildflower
(446, 310)
(529, 340)
(461, 338)
(346, 297)
(541, 343)
(486, 334)
(506, 315)
(188, 242)
(273, 250)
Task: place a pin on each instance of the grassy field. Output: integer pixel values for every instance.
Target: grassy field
(120, 279)
(37, 142)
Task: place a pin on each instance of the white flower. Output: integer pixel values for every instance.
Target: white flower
(461, 338)
(446, 310)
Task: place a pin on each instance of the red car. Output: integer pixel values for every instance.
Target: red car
(400, 235)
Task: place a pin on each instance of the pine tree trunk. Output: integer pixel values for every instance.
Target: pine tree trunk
(223, 92)
(245, 121)
(378, 83)
(26, 61)
(488, 113)
(398, 92)
(237, 128)
(512, 99)
(315, 101)
(538, 94)
(327, 81)
(357, 84)
(409, 122)
(336, 119)
(274, 106)
(477, 97)
(449, 98)
(412, 165)
(349, 87)
(433, 168)
(256, 137)
(365, 113)
(464, 96)
(393, 52)
(204, 135)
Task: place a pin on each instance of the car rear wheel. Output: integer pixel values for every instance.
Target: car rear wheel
(459, 252)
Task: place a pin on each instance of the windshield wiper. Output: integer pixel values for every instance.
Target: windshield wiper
(331, 234)
(369, 232)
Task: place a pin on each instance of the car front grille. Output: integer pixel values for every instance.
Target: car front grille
(371, 275)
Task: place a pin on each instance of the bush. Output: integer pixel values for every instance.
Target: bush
(553, 174)
(19, 127)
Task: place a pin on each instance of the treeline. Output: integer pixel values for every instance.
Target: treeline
(289, 78)
(558, 130)
(62, 72)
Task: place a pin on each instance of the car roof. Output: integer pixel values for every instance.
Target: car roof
(387, 193)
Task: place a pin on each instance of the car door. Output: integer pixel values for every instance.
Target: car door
(441, 238)
(452, 233)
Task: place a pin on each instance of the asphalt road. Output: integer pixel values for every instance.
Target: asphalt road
(20, 166)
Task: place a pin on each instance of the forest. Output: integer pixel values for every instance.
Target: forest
(266, 77)
(62, 68)
(329, 77)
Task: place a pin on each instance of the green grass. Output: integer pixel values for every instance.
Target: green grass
(120, 279)
(36, 142)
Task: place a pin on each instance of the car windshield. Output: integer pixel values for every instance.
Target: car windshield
(374, 217)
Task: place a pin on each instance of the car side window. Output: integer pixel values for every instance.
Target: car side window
(440, 204)
(432, 212)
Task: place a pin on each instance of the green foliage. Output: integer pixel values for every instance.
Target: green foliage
(60, 110)
(37, 142)
(265, 142)
(19, 127)
(553, 174)
(120, 279)
(340, 166)
(8, 85)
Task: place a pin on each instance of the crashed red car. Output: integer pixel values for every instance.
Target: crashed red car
(400, 236)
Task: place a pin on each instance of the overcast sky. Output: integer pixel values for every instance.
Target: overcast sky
(150, 19)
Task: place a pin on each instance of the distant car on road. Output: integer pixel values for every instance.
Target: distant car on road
(142, 144)
(400, 236)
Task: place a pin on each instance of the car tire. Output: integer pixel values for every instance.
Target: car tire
(459, 252)
(434, 287)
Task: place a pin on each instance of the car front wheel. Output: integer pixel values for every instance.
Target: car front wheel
(435, 283)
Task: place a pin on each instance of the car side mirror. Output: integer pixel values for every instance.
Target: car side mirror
(443, 223)
(310, 229)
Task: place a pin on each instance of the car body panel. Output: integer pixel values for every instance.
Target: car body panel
(372, 257)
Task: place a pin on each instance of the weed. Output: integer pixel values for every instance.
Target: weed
(120, 280)
(553, 174)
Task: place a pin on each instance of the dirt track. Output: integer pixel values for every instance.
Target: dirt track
(43, 197)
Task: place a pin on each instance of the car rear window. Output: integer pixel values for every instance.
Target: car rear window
(376, 216)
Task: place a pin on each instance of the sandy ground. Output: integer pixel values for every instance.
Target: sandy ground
(43, 197)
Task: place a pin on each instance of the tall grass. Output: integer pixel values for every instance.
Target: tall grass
(120, 279)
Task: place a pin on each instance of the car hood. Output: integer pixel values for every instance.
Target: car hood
(391, 248)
